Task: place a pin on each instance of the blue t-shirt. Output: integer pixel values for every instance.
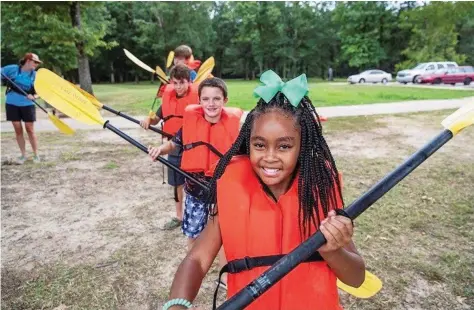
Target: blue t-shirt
(25, 80)
(192, 75)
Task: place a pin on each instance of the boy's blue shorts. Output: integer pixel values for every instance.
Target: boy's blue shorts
(195, 216)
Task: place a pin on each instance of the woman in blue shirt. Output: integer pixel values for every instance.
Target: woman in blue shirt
(20, 107)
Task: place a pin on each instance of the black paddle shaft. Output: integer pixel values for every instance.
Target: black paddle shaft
(161, 132)
(281, 268)
(145, 149)
(23, 92)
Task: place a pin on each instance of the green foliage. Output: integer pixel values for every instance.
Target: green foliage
(26, 27)
(45, 28)
(364, 30)
(465, 27)
(245, 38)
(433, 34)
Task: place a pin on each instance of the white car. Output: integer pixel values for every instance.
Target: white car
(426, 68)
(370, 76)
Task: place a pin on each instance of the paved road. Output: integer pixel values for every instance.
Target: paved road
(44, 124)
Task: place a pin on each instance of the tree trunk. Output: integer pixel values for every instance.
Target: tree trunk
(246, 70)
(82, 59)
(112, 75)
(121, 77)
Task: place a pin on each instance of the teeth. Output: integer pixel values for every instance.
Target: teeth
(271, 171)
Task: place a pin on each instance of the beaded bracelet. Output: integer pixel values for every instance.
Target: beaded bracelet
(177, 302)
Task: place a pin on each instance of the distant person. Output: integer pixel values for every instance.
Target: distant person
(20, 107)
(330, 74)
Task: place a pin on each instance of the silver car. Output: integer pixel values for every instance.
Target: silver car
(370, 76)
(426, 68)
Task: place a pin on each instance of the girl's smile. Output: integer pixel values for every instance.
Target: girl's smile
(274, 149)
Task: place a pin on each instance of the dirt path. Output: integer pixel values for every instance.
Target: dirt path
(82, 229)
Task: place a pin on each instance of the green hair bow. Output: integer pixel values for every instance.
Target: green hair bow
(294, 89)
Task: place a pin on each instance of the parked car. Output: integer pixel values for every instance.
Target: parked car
(434, 77)
(370, 76)
(463, 74)
(412, 75)
(452, 76)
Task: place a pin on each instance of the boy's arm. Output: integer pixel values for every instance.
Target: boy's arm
(163, 149)
(152, 121)
(197, 263)
(168, 147)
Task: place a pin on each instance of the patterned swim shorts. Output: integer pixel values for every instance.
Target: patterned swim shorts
(195, 216)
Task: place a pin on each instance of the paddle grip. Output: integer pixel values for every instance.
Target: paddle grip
(23, 92)
(160, 159)
(281, 268)
(167, 135)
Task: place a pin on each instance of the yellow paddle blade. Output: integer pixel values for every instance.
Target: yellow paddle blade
(66, 98)
(91, 98)
(161, 74)
(209, 63)
(371, 286)
(152, 114)
(138, 62)
(460, 119)
(201, 77)
(169, 61)
(204, 71)
(62, 126)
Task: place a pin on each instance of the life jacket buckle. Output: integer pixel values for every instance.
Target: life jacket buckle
(187, 147)
(239, 265)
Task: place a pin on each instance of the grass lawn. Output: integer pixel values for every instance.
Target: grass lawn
(137, 98)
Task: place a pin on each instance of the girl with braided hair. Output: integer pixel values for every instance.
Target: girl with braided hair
(277, 185)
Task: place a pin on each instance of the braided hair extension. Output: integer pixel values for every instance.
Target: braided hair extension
(318, 181)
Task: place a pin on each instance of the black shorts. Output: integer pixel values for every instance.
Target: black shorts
(16, 113)
(174, 178)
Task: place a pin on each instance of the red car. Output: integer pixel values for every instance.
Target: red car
(449, 76)
(459, 75)
(433, 78)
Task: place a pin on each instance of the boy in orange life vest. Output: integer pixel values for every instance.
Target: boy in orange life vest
(179, 94)
(208, 132)
(281, 188)
(183, 54)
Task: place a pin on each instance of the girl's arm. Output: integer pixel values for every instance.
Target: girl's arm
(347, 264)
(196, 264)
(340, 252)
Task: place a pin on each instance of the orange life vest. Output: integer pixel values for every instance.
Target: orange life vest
(192, 63)
(173, 107)
(253, 224)
(205, 143)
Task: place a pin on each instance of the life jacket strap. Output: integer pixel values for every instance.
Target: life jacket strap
(13, 88)
(189, 146)
(249, 263)
(171, 116)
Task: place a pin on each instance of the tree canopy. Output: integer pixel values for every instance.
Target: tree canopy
(245, 38)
